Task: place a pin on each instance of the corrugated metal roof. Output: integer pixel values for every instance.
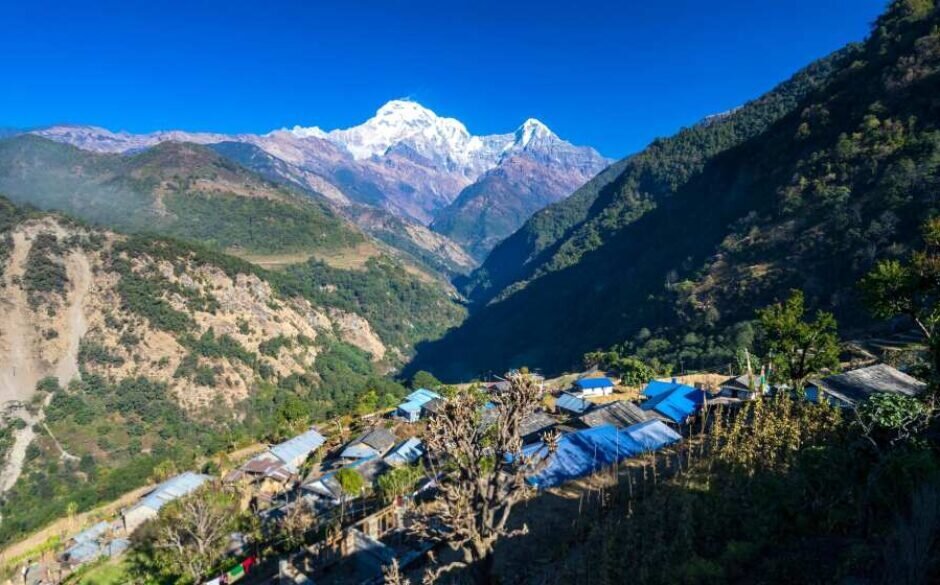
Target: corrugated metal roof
(411, 406)
(405, 453)
(294, 451)
(535, 422)
(421, 395)
(591, 383)
(572, 403)
(749, 382)
(857, 385)
(358, 451)
(620, 414)
(380, 439)
(177, 487)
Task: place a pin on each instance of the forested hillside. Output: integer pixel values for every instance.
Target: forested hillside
(804, 187)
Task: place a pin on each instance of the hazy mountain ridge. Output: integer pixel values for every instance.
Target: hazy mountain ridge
(406, 159)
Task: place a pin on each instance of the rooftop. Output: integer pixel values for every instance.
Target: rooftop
(298, 448)
(572, 403)
(591, 383)
(177, 487)
(620, 414)
(857, 385)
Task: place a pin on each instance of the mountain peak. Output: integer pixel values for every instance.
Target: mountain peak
(531, 129)
(405, 108)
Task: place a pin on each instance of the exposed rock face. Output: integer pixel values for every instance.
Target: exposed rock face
(81, 321)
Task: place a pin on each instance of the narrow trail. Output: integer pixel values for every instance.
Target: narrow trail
(21, 366)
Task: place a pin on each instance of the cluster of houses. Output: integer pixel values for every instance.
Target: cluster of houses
(110, 538)
(596, 431)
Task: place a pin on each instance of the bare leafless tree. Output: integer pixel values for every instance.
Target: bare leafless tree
(481, 473)
(192, 532)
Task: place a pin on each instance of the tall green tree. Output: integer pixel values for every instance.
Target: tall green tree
(423, 379)
(799, 347)
(911, 289)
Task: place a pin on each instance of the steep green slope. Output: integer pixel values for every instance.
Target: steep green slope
(805, 188)
(558, 235)
(180, 190)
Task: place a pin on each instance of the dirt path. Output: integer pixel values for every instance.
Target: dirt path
(21, 366)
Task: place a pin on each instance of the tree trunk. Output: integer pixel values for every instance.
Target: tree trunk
(482, 571)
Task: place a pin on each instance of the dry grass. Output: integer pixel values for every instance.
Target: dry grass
(353, 258)
(707, 379)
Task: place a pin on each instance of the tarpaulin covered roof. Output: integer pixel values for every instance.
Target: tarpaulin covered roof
(677, 403)
(656, 387)
(294, 451)
(591, 383)
(582, 453)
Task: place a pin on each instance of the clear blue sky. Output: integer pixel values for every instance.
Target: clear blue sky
(612, 74)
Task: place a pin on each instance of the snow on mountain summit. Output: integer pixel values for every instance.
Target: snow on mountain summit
(445, 142)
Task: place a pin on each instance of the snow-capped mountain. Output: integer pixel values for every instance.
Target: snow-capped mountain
(406, 158)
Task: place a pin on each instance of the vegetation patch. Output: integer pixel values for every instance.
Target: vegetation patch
(45, 276)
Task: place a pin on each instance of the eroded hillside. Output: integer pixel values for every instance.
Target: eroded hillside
(120, 354)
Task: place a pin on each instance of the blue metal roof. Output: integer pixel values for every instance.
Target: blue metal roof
(411, 406)
(421, 396)
(405, 453)
(676, 404)
(295, 450)
(572, 403)
(657, 387)
(591, 383)
(582, 453)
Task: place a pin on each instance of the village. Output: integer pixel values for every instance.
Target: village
(357, 530)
